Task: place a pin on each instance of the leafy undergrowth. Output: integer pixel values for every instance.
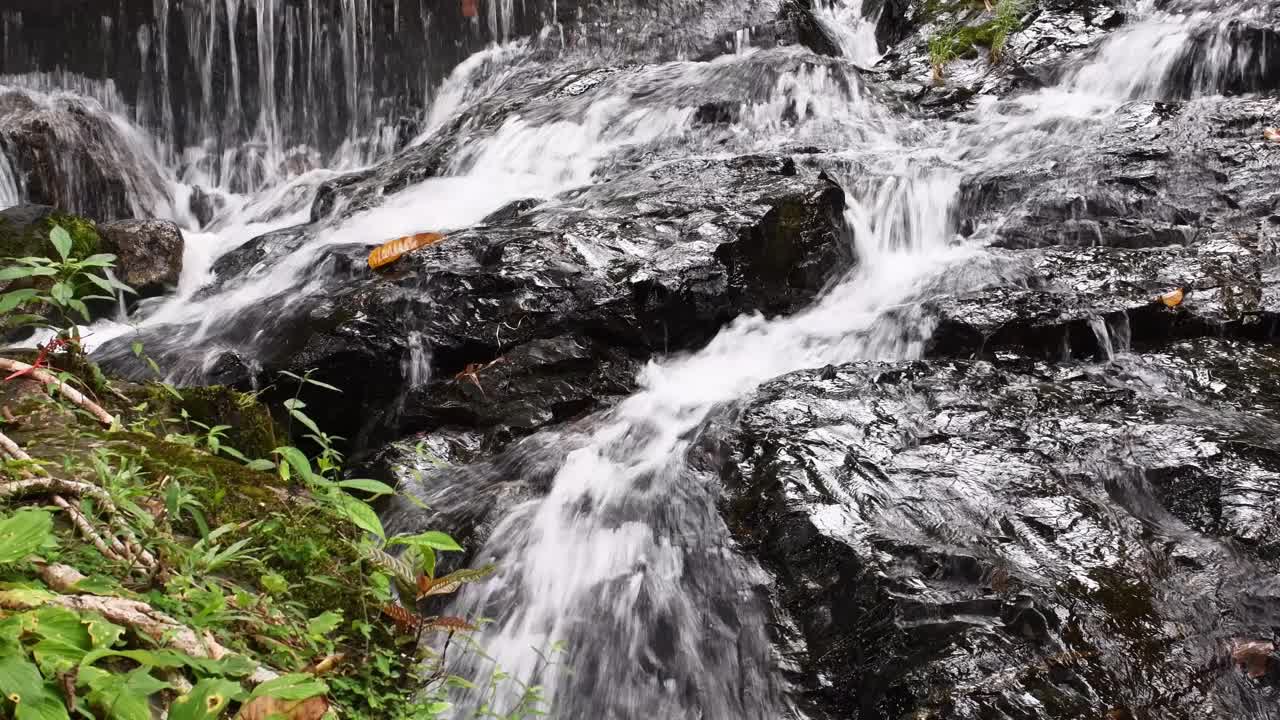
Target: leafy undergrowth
(152, 567)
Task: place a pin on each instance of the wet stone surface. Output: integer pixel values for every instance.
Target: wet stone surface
(1015, 539)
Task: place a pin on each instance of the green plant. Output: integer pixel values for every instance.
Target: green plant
(62, 283)
(288, 581)
(955, 40)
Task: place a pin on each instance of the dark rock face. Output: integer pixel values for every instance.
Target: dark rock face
(148, 253)
(1009, 540)
(1171, 197)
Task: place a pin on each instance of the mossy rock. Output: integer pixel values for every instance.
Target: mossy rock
(253, 431)
(305, 543)
(24, 232)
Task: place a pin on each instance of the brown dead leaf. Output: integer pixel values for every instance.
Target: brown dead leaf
(1173, 298)
(262, 708)
(1253, 657)
(389, 252)
(1271, 134)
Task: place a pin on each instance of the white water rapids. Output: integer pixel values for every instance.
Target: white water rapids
(625, 559)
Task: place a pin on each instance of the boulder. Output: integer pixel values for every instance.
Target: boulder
(148, 253)
(1015, 539)
(545, 315)
(73, 154)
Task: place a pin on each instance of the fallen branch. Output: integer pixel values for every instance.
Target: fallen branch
(12, 449)
(67, 391)
(127, 551)
(142, 619)
(57, 576)
(112, 551)
(51, 485)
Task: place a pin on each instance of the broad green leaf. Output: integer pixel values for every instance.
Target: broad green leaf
(324, 623)
(46, 707)
(11, 300)
(260, 464)
(294, 404)
(426, 560)
(101, 282)
(433, 539)
(61, 240)
(294, 686)
(206, 701)
(125, 697)
(99, 260)
(80, 307)
(64, 640)
(100, 585)
(230, 665)
(369, 486)
(17, 273)
(24, 597)
(23, 533)
(308, 422)
(359, 513)
(61, 292)
(102, 632)
(297, 460)
(21, 683)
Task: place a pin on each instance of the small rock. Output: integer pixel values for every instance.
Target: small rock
(149, 253)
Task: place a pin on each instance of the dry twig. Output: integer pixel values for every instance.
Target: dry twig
(141, 618)
(67, 391)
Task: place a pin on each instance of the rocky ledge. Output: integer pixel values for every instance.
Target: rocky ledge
(1013, 539)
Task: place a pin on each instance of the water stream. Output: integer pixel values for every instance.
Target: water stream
(625, 561)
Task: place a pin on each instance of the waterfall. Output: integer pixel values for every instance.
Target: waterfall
(624, 561)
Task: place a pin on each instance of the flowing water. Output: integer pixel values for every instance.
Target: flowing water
(625, 562)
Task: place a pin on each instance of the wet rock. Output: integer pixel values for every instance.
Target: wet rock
(540, 383)
(1050, 35)
(567, 297)
(1170, 196)
(1011, 539)
(1092, 302)
(1163, 173)
(205, 205)
(148, 253)
(73, 156)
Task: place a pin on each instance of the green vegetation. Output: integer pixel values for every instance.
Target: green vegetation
(166, 552)
(955, 40)
(58, 284)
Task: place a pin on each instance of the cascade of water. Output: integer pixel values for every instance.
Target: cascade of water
(626, 559)
(854, 32)
(78, 129)
(10, 191)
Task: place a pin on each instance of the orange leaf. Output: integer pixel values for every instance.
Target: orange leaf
(1173, 298)
(261, 708)
(389, 252)
(405, 619)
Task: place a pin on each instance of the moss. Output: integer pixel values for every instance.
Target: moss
(32, 239)
(303, 543)
(84, 233)
(253, 431)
